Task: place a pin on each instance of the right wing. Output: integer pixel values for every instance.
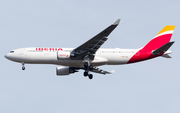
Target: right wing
(91, 46)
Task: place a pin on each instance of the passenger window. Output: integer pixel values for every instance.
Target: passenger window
(11, 51)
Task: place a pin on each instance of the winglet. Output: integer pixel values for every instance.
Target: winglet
(111, 72)
(117, 22)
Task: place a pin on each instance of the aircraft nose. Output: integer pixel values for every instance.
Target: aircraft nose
(8, 56)
(11, 56)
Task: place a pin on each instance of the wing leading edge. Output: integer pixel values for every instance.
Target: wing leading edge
(91, 46)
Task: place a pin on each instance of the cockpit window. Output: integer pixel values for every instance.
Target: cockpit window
(11, 51)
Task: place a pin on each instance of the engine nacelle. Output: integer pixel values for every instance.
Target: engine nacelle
(63, 55)
(64, 71)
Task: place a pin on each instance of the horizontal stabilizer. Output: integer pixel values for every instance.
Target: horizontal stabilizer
(166, 56)
(163, 48)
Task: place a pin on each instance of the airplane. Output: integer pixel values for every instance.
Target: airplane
(89, 55)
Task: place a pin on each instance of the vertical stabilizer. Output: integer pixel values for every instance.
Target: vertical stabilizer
(162, 38)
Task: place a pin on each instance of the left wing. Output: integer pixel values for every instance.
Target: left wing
(91, 46)
(94, 69)
(97, 70)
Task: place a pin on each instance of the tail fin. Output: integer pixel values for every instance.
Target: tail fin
(161, 38)
(158, 44)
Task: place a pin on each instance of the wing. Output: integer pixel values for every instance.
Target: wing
(94, 69)
(97, 70)
(91, 46)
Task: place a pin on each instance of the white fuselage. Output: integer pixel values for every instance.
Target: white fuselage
(89, 55)
(49, 56)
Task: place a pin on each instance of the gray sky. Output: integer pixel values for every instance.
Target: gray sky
(146, 87)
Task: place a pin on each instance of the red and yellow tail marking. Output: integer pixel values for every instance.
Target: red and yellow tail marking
(167, 28)
(158, 41)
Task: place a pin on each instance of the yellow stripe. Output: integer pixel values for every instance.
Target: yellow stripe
(167, 28)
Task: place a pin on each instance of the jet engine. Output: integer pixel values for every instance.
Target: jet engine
(64, 71)
(63, 55)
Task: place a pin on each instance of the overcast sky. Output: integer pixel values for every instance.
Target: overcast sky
(151, 86)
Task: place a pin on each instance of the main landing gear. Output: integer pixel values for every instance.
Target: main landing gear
(87, 68)
(89, 75)
(23, 67)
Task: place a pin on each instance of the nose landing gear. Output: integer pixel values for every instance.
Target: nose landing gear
(23, 67)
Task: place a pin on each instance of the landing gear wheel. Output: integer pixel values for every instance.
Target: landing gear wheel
(85, 73)
(23, 68)
(90, 76)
